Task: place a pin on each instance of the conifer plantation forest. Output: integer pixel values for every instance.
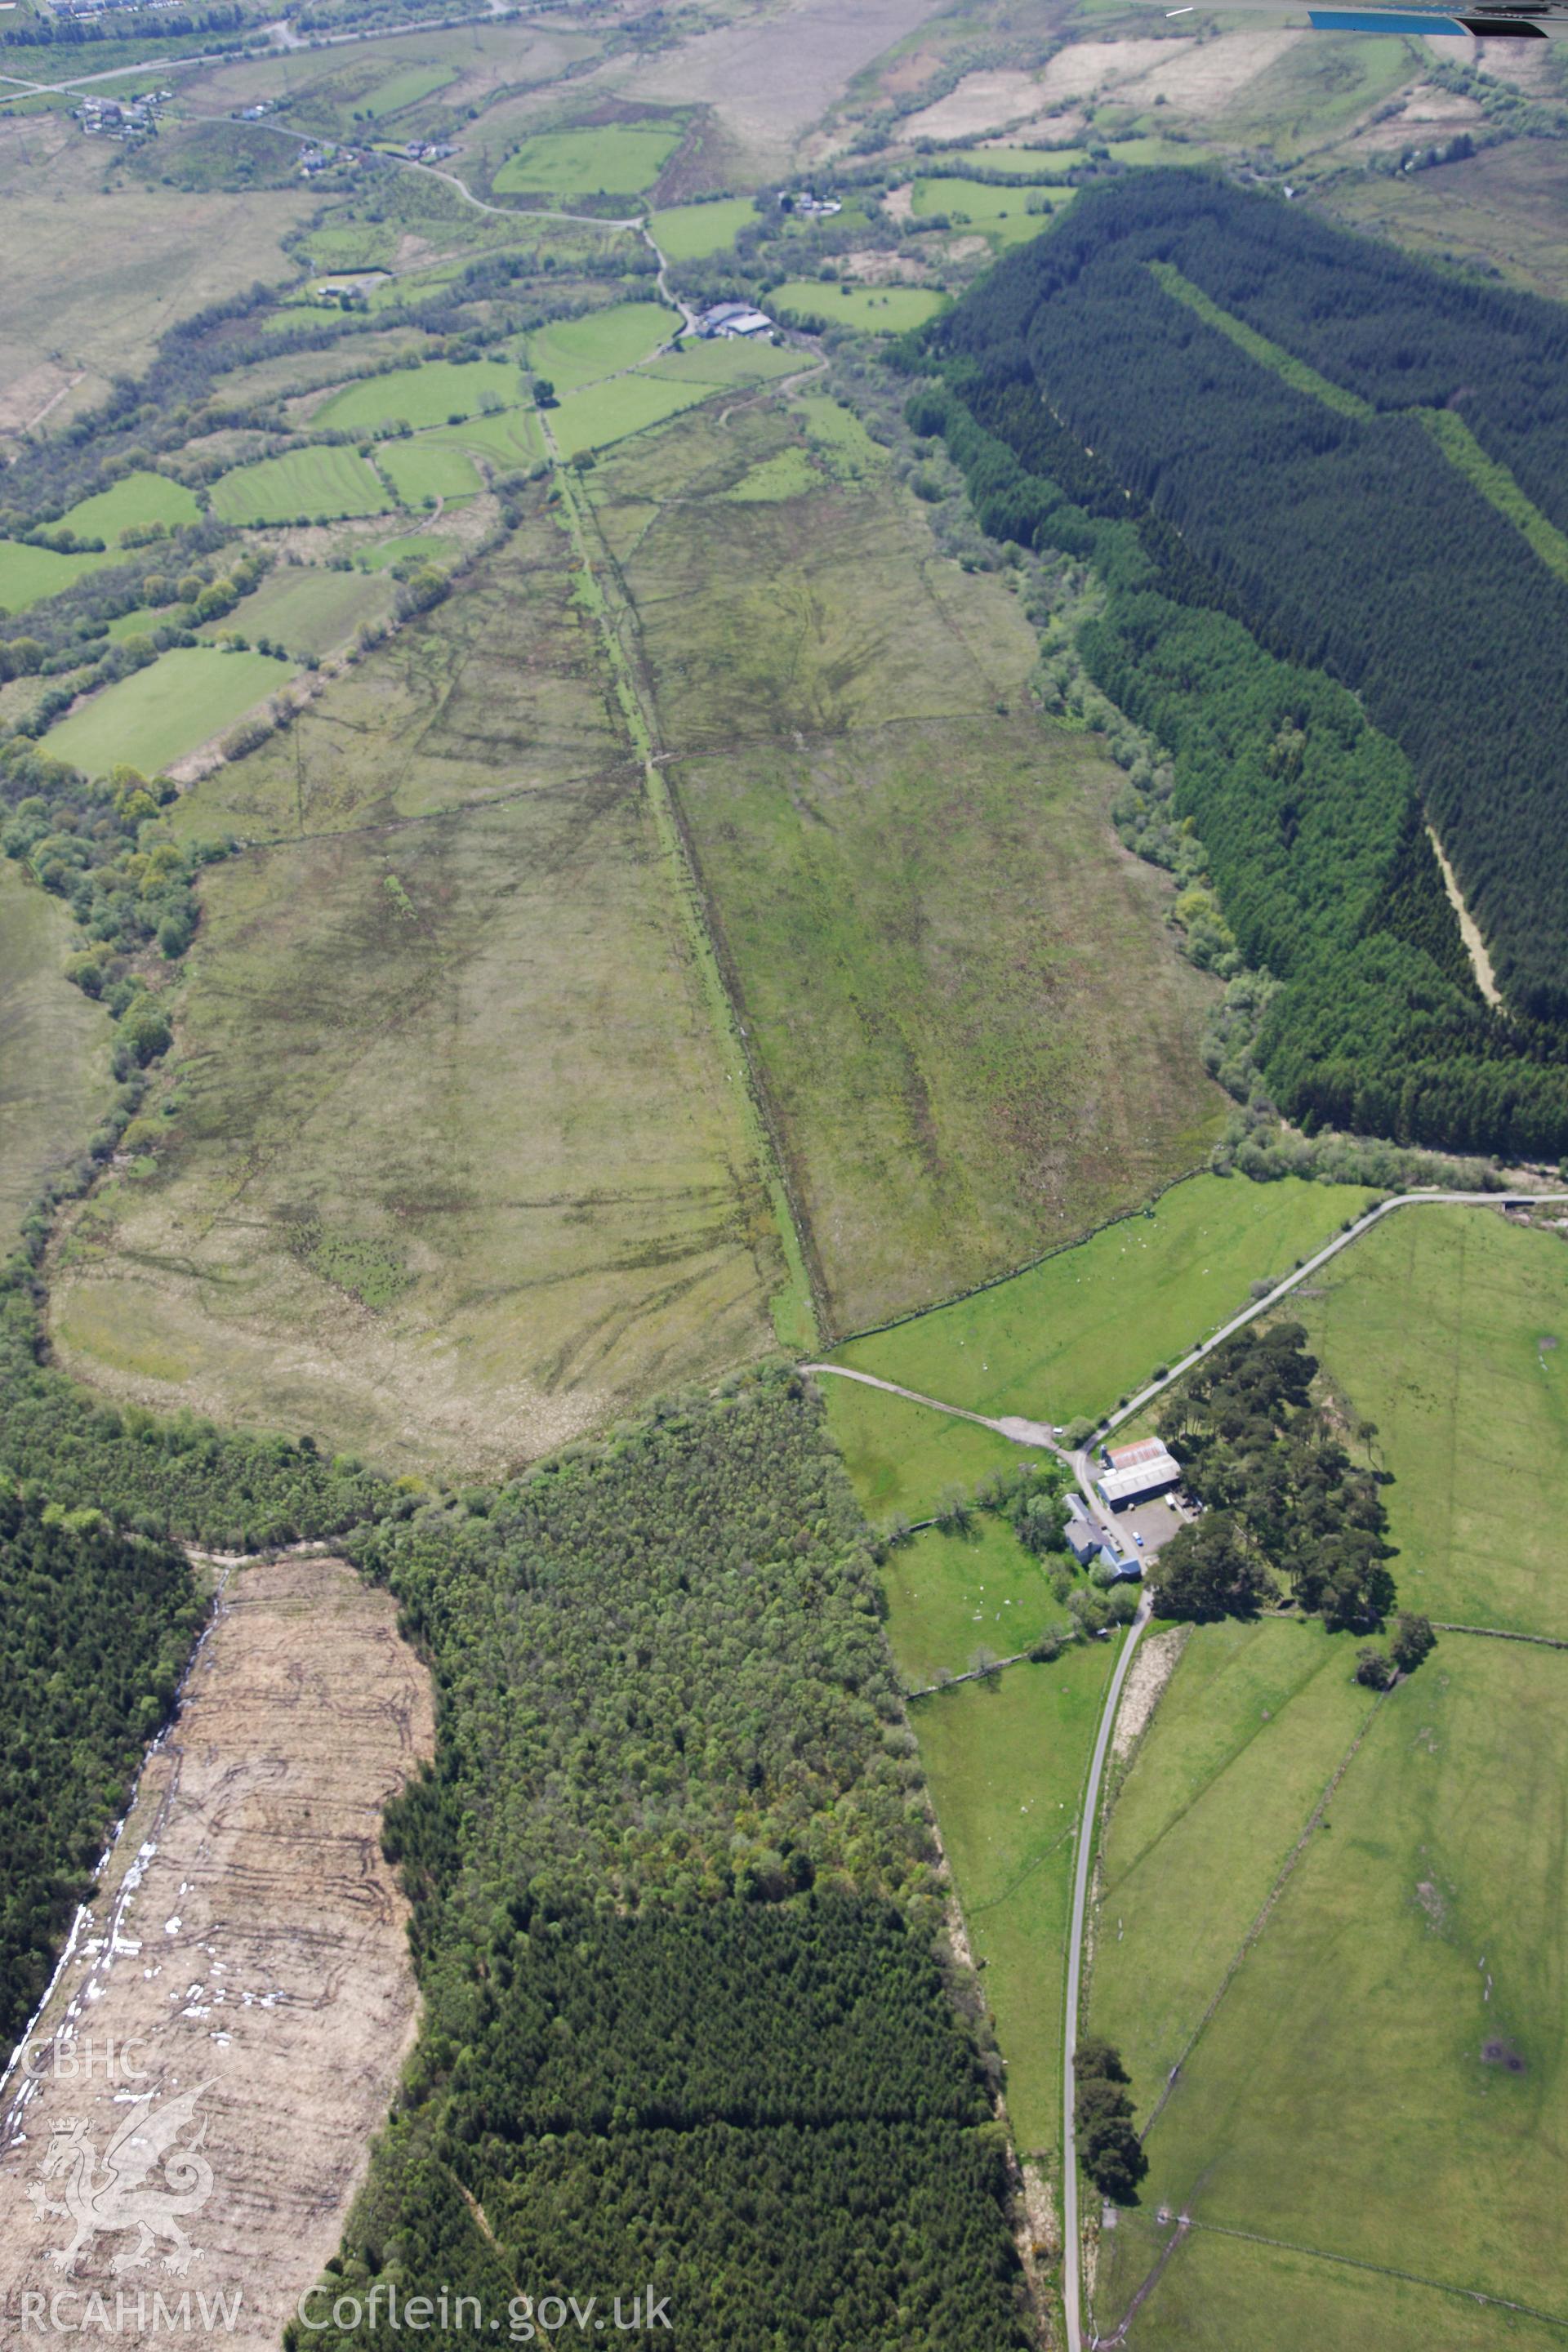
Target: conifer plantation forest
(1324, 668)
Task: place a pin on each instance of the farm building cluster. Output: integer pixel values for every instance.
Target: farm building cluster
(1137, 1486)
(725, 320)
(1136, 1474)
(1093, 1548)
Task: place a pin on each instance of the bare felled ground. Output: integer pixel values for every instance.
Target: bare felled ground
(248, 1945)
(769, 76)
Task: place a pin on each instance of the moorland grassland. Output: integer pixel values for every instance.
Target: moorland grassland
(907, 875)
(1382, 2081)
(450, 1168)
(53, 1046)
(99, 265)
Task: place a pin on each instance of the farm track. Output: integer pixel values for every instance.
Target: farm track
(1038, 1435)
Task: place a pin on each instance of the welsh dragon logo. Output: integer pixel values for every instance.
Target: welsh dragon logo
(124, 2192)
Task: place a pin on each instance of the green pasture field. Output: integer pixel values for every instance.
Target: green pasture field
(427, 545)
(1384, 2078)
(1001, 214)
(436, 392)
(618, 159)
(734, 360)
(29, 574)
(575, 352)
(1449, 1327)
(296, 318)
(135, 500)
(1040, 165)
(1342, 2100)
(1005, 1761)
(874, 310)
(139, 624)
(311, 610)
(602, 414)
(959, 1068)
(1069, 1336)
(323, 484)
(1255, 1721)
(162, 712)
(349, 245)
(691, 232)
(901, 1456)
(407, 87)
(359, 348)
(509, 441)
(425, 469)
(1211, 2294)
(952, 1596)
(440, 1023)
(54, 1059)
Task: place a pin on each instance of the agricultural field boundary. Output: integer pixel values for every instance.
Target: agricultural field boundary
(1072, 2274)
(1485, 474)
(1354, 2262)
(999, 1281)
(1499, 1634)
(795, 1313)
(1264, 1914)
